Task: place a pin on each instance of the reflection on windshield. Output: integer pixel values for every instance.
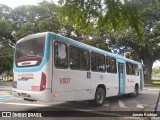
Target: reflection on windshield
(30, 48)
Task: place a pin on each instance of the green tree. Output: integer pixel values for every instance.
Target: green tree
(92, 15)
(6, 29)
(5, 12)
(6, 38)
(25, 29)
(149, 50)
(29, 19)
(6, 56)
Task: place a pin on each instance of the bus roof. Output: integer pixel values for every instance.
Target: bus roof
(32, 36)
(78, 44)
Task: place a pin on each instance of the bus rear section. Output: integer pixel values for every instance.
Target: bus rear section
(29, 70)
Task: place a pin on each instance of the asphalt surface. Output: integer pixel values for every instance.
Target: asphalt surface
(121, 106)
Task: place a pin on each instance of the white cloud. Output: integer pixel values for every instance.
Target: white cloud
(15, 3)
(156, 63)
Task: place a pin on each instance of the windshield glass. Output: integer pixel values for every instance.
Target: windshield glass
(33, 47)
(30, 52)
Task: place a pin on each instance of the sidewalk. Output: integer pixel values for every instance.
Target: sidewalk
(151, 88)
(5, 88)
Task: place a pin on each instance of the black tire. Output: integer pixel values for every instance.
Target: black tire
(136, 92)
(99, 97)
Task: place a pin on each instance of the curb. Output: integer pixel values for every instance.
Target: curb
(4, 88)
(158, 89)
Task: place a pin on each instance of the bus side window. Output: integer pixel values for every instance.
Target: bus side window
(111, 65)
(98, 62)
(74, 57)
(132, 69)
(60, 55)
(84, 59)
(93, 67)
(136, 70)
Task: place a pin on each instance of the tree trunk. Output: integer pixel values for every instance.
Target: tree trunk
(148, 71)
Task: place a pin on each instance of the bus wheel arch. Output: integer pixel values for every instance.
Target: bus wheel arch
(136, 90)
(100, 95)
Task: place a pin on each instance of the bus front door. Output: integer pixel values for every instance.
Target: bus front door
(121, 74)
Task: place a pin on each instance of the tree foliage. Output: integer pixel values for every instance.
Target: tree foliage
(117, 15)
(149, 50)
(22, 21)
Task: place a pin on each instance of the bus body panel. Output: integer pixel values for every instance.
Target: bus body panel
(130, 83)
(67, 82)
(26, 80)
(30, 87)
(109, 80)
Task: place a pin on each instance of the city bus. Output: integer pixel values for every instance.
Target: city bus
(53, 68)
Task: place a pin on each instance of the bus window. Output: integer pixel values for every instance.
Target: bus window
(79, 59)
(27, 55)
(136, 69)
(60, 55)
(97, 62)
(84, 59)
(132, 69)
(111, 65)
(74, 57)
(129, 68)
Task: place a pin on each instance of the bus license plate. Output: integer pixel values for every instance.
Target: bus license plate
(23, 94)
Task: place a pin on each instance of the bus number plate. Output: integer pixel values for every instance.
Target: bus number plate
(64, 80)
(23, 94)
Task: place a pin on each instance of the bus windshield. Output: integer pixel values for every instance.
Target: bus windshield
(30, 50)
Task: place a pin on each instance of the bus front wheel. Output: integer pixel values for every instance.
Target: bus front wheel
(99, 97)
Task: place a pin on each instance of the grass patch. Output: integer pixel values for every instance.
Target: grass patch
(155, 83)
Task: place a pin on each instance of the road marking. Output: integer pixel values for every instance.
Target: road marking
(121, 104)
(24, 104)
(135, 102)
(6, 97)
(145, 105)
(20, 98)
(106, 103)
(140, 106)
(152, 89)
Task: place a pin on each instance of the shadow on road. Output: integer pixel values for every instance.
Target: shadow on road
(83, 109)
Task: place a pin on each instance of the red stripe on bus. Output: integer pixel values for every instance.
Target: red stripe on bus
(28, 58)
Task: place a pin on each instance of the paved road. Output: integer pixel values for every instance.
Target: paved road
(114, 106)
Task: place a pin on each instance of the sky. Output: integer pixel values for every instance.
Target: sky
(156, 63)
(15, 3)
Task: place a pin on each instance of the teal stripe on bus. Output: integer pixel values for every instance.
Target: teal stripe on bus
(94, 49)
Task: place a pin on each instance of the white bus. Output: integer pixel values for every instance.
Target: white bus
(52, 68)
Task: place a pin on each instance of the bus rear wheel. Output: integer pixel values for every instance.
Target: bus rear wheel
(136, 91)
(99, 97)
